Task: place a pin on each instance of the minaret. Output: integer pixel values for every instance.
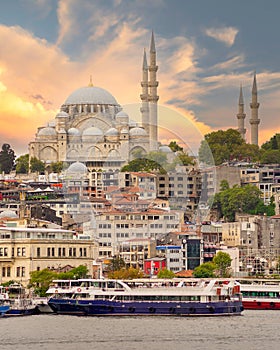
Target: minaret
(153, 97)
(254, 121)
(241, 115)
(145, 95)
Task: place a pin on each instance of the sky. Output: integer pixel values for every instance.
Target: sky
(205, 50)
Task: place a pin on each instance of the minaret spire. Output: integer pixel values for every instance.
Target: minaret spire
(145, 95)
(254, 121)
(241, 115)
(153, 97)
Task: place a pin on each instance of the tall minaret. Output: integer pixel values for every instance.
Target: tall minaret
(153, 97)
(145, 95)
(241, 115)
(254, 121)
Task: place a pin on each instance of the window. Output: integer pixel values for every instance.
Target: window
(59, 251)
(38, 251)
(23, 251)
(18, 272)
(23, 272)
(18, 251)
(3, 271)
(9, 271)
(49, 251)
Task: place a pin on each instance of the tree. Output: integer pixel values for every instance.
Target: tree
(237, 199)
(40, 280)
(22, 164)
(205, 270)
(7, 158)
(270, 157)
(36, 165)
(272, 144)
(126, 273)
(223, 262)
(173, 145)
(164, 273)
(57, 167)
(224, 146)
(117, 263)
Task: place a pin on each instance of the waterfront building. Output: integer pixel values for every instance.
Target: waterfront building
(26, 249)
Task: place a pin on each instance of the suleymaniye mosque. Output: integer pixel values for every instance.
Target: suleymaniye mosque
(92, 128)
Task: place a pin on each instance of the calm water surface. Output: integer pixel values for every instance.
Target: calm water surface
(252, 331)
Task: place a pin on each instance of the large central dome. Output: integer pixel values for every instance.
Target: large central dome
(91, 95)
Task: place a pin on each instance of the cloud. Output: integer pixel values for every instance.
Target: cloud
(226, 35)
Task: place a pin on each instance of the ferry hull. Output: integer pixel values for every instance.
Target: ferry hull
(113, 308)
(261, 305)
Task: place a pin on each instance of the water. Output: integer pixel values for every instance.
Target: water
(255, 330)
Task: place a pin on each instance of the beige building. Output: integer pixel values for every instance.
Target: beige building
(23, 250)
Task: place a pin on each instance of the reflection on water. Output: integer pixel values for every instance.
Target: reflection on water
(252, 331)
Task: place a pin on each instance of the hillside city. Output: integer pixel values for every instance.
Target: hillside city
(97, 186)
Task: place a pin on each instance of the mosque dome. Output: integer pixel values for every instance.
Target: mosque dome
(62, 114)
(112, 132)
(48, 131)
(8, 214)
(92, 131)
(77, 167)
(165, 149)
(137, 132)
(73, 132)
(91, 95)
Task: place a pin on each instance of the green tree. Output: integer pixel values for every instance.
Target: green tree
(230, 201)
(165, 273)
(126, 273)
(117, 263)
(22, 164)
(272, 144)
(40, 280)
(36, 165)
(173, 145)
(222, 146)
(270, 157)
(205, 270)
(7, 158)
(223, 262)
(57, 167)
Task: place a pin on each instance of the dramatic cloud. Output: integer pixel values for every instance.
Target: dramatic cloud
(225, 34)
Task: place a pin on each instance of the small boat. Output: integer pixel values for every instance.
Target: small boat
(260, 294)
(4, 309)
(106, 297)
(19, 304)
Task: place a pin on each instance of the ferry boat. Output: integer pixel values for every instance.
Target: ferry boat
(260, 294)
(4, 309)
(107, 297)
(18, 304)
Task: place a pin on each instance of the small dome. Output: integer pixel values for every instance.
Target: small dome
(48, 131)
(124, 131)
(77, 167)
(132, 123)
(122, 114)
(62, 114)
(165, 149)
(137, 132)
(92, 131)
(112, 132)
(74, 132)
(8, 214)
